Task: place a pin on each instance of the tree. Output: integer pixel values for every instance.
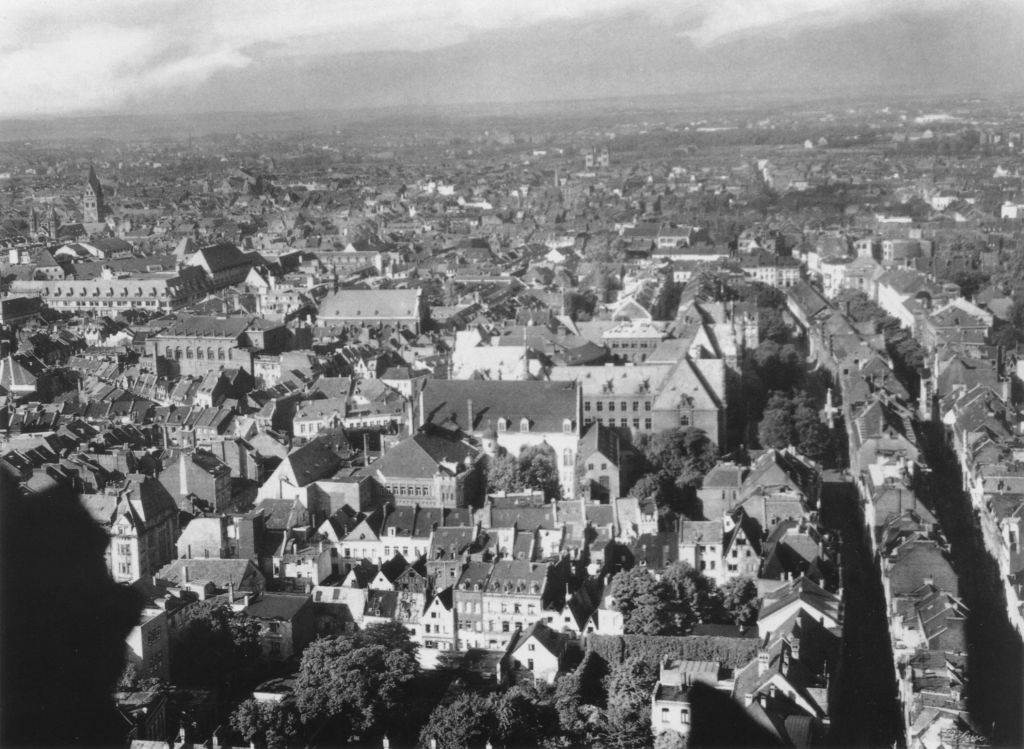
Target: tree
(776, 428)
(503, 474)
(644, 602)
(740, 601)
(360, 680)
(651, 485)
(524, 715)
(681, 455)
(579, 693)
(628, 718)
(695, 596)
(276, 723)
(538, 469)
(465, 722)
(214, 643)
(669, 740)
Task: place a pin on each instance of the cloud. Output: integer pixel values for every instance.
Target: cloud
(69, 55)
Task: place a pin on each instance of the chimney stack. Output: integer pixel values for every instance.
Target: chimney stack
(763, 661)
(469, 413)
(184, 571)
(231, 593)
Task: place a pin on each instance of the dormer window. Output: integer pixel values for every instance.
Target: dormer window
(567, 426)
(502, 425)
(524, 425)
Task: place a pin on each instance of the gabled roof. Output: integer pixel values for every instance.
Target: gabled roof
(425, 454)
(554, 642)
(804, 591)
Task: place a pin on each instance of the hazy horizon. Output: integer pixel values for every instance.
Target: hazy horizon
(182, 57)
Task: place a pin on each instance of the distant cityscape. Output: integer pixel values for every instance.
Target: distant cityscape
(538, 430)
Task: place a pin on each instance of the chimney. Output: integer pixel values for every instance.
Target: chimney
(245, 600)
(763, 661)
(231, 593)
(469, 413)
(794, 648)
(184, 568)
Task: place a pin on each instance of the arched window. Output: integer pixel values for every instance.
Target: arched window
(567, 426)
(177, 353)
(199, 352)
(188, 352)
(567, 457)
(220, 354)
(209, 353)
(502, 425)
(524, 425)
(169, 352)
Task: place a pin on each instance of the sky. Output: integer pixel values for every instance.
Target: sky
(63, 57)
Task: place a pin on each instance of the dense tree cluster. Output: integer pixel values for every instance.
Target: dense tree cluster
(524, 715)
(360, 682)
(679, 600)
(673, 462)
(535, 468)
(794, 420)
(214, 644)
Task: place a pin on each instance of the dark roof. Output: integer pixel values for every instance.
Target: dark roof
(545, 404)
(284, 606)
(224, 255)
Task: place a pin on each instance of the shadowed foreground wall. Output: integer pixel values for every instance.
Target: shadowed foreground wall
(62, 624)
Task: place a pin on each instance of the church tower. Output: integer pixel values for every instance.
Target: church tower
(92, 202)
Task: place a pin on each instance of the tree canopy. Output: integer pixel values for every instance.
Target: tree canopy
(360, 680)
(214, 643)
(276, 724)
(536, 468)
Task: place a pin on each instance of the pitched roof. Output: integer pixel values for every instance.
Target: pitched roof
(545, 404)
(370, 304)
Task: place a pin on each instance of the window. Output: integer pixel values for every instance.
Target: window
(664, 715)
(636, 423)
(567, 457)
(684, 420)
(647, 405)
(636, 405)
(188, 352)
(647, 424)
(524, 425)
(220, 354)
(586, 405)
(529, 663)
(531, 647)
(622, 406)
(600, 406)
(504, 626)
(275, 647)
(611, 405)
(502, 425)
(590, 466)
(567, 426)
(684, 716)
(199, 353)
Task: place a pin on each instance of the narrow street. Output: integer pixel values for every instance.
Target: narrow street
(864, 701)
(995, 656)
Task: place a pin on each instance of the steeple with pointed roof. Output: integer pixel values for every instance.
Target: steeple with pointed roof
(93, 207)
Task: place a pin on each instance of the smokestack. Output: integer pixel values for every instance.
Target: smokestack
(469, 412)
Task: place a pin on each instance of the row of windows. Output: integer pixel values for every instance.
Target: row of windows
(524, 425)
(611, 405)
(623, 422)
(198, 354)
